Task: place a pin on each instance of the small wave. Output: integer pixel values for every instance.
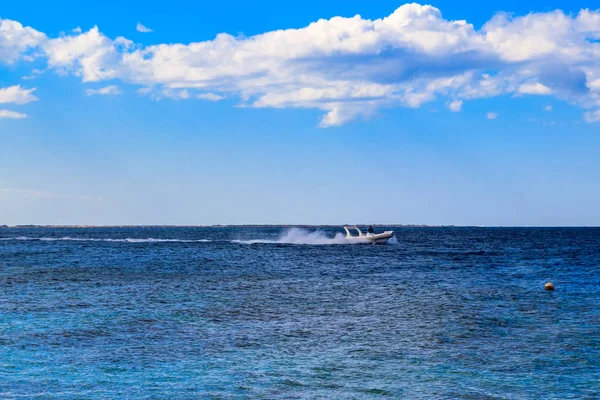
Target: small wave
(125, 240)
(300, 236)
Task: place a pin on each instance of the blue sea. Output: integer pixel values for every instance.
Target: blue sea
(278, 313)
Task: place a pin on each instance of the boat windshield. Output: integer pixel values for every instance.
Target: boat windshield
(353, 228)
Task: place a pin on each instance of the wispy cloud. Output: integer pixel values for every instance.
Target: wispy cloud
(111, 90)
(142, 28)
(548, 108)
(491, 115)
(209, 96)
(34, 74)
(455, 105)
(43, 195)
(592, 116)
(7, 114)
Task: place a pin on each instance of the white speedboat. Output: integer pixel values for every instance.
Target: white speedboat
(369, 237)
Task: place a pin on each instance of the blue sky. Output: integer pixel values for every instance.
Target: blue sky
(401, 115)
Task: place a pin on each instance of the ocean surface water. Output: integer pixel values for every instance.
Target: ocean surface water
(274, 313)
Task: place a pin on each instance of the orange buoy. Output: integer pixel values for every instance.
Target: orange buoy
(549, 286)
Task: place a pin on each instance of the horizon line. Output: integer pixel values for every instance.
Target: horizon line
(75, 226)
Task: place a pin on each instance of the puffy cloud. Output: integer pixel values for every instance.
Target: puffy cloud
(16, 40)
(16, 95)
(595, 85)
(352, 67)
(455, 105)
(111, 90)
(7, 114)
(491, 115)
(533, 88)
(548, 108)
(90, 54)
(142, 28)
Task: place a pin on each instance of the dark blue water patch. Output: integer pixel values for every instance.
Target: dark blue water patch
(262, 313)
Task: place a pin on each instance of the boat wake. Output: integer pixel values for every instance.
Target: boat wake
(300, 236)
(297, 236)
(125, 240)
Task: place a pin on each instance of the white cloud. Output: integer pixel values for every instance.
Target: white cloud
(455, 105)
(90, 54)
(340, 113)
(592, 116)
(209, 96)
(174, 94)
(142, 28)
(548, 108)
(595, 85)
(491, 115)
(16, 40)
(111, 90)
(7, 114)
(350, 67)
(533, 88)
(16, 95)
(158, 94)
(34, 74)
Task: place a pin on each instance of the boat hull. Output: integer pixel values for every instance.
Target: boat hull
(378, 238)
